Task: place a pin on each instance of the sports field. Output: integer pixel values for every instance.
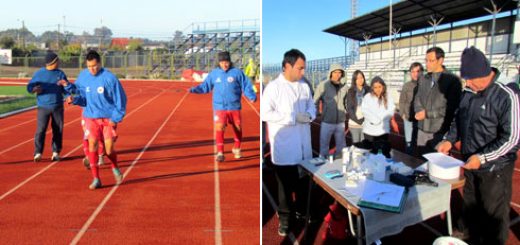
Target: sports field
(173, 191)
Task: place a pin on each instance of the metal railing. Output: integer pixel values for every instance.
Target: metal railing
(315, 71)
(137, 65)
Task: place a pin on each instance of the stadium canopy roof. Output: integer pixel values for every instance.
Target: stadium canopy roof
(411, 15)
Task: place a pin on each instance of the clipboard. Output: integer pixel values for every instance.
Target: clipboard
(383, 196)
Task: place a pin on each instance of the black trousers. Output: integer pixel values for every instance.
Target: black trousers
(487, 197)
(289, 182)
(376, 143)
(44, 115)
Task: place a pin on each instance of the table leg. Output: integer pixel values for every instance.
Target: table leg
(308, 209)
(448, 219)
(359, 231)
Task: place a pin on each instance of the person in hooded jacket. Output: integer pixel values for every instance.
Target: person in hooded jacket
(332, 93)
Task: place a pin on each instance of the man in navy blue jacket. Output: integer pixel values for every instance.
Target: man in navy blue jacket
(227, 83)
(488, 126)
(46, 84)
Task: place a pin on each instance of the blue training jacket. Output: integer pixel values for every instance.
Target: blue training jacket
(227, 88)
(52, 93)
(102, 95)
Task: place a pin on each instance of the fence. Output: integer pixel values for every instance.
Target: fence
(138, 65)
(315, 71)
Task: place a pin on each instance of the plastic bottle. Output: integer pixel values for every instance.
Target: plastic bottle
(345, 158)
(380, 166)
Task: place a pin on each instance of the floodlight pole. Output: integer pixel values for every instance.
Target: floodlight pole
(345, 60)
(366, 37)
(434, 23)
(494, 12)
(390, 27)
(395, 32)
(517, 19)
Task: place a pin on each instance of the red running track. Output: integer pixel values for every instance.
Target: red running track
(172, 193)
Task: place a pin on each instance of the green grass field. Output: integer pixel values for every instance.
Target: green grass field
(27, 100)
(14, 90)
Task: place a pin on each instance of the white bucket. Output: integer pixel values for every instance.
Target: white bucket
(448, 240)
(443, 172)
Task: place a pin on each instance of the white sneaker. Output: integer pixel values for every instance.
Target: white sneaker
(101, 161)
(37, 157)
(220, 157)
(236, 153)
(55, 156)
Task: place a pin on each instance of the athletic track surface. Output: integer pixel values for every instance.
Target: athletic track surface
(173, 191)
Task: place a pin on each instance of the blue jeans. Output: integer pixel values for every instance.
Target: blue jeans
(326, 132)
(410, 135)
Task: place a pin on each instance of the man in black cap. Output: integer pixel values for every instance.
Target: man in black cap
(227, 83)
(46, 84)
(488, 125)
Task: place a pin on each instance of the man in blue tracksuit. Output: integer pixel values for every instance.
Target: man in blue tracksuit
(227, 83)
(104, 101)
(46, 84)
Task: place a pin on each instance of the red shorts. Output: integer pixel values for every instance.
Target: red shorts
(225, 117)
(99, 129)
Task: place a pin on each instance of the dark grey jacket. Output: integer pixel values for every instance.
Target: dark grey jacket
(439, 101)
(406, 101)
(333, 102)
(488, 124)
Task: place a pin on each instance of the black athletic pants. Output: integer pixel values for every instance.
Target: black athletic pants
(44, 115)
(487, 197)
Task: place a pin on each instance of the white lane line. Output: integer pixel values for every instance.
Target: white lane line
(73, 121)
(273, 205)
(92, 217)
(52, 164)
(49, 130)
(218, 217)
(36, 174)
(251, 104)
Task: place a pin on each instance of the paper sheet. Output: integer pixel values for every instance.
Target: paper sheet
(382, 193)
(317, 160)
(443, 160)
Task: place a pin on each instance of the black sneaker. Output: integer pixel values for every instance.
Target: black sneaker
(283, 230)
(301, 217)
(86, 163)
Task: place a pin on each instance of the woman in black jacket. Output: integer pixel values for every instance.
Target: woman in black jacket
(358, 89)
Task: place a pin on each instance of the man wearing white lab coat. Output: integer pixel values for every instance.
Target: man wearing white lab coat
(288, 108)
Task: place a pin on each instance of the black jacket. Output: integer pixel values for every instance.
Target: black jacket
(439, 101)
(352, 103)
(488, 124)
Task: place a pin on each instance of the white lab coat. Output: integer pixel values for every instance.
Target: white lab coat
(377, 117)
(290, 141)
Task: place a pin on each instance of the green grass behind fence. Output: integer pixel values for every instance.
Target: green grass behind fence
(14, 90)
(27, 100)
